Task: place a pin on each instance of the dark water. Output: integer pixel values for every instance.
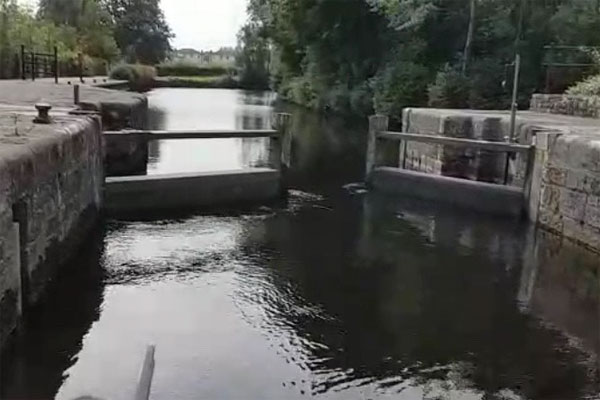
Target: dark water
(336, 294)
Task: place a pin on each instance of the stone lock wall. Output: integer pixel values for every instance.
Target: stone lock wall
(127, 155)
(462, 163)
(51, 179)
(569, 199)
(581, 106)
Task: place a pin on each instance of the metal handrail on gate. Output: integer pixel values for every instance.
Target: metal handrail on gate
(378, 131)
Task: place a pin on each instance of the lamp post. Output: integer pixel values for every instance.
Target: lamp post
(514, 105)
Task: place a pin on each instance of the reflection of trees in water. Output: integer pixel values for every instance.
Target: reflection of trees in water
(385, 301)
(257, 98)
(255, 152)
(253, 119)
(560, 283)
(153, 151)
(327, 151)
(156, 118)
(53, 331)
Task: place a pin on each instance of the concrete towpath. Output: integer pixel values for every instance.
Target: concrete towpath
(16, 94)
(97, 81)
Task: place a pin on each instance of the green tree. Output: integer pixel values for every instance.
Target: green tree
(140, 30)
(253, 56)
(90, 21)
(5, 48)
(63, 12)
(388, 53)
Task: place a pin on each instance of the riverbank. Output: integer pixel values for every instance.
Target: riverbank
(203, 82)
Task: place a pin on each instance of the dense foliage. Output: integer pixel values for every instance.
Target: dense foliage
(140, 29)
(140, 77)
(103, 31)
(253, 56)
(387, 54)
(188, 68)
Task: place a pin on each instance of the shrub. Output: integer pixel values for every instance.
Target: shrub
(300, 91)
(398, 85)
(485, 81)
(588, 87)
(187, 68)
(450, 89)
(139, 76)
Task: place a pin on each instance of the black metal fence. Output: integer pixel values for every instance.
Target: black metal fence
(566, 65)
(39, 65)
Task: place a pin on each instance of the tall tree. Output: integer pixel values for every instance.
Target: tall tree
(253, 56)
(141, 30)
(4, 39)
(63, 12)
(469, 40)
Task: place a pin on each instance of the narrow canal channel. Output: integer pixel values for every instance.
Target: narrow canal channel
(334, 294)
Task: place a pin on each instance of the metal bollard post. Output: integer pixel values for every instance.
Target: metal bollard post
(76, 94)
(43, 116)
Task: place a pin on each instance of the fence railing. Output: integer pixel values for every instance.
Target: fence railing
(36, 65)
(279, 147)
(569, 72)
(376, 154)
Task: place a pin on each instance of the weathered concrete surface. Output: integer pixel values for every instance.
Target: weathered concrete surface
(119, 109)
(101, 81)
(51, 179)
(476, 196)
(191, 191)
(581, 106)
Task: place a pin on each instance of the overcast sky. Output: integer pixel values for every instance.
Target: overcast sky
(204, 24)
(201, 24)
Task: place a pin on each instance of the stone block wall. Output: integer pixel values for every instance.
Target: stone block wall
(127, 155)
(51, 179)
(569, 201)
(464, 162)
(581, 106)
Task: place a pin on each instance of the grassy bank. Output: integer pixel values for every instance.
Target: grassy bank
(221, 81)
(143, 77)
(140, 77)
(186, 69)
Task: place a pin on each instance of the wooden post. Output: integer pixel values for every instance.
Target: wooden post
(23, 62)
(80, 66)
(283, 123)
(33, 66)
(76, 94)
(16, 264)
(282, 145)
(280, 152)
(377, 123)
(55, 64)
